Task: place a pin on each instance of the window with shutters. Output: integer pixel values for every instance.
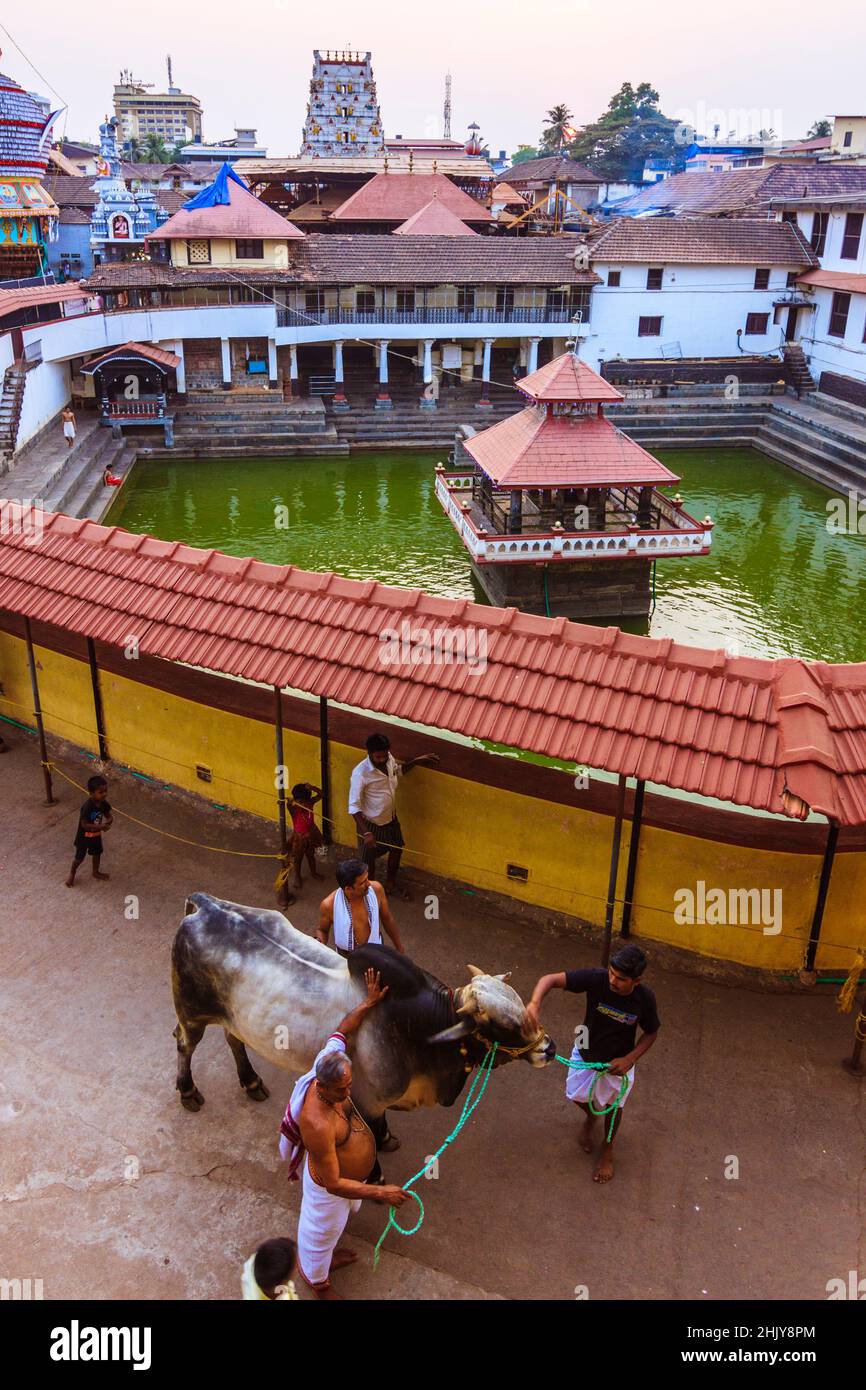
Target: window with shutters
(649, 326)
(613, 278)
(762, 279)
(250, 250)
(756, 324)
(839, 315)
(818, 239)
(654, 278)
(851, 236)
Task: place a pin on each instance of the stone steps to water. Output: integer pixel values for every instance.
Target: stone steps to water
(847, 449)
(76, 487)
(820, 464)
(834, 406)
(39, 473)
(339, 449)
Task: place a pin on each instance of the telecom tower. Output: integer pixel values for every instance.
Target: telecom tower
(447, 113)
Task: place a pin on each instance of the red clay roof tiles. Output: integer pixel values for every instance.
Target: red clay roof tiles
(566, 378)
(531, 449)
(781, 736)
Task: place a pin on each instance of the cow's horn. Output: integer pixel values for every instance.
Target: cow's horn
(473, 971)
(506, 976)
(453, 1034)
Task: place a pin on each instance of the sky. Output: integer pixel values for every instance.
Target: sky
(739, 65)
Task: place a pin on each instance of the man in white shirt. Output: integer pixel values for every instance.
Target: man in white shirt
(373, 806)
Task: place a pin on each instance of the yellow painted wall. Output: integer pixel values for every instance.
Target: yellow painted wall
(460, 828)
(222, 252)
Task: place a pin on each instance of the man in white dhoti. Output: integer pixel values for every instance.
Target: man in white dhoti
(67, 419)
(322, 1122)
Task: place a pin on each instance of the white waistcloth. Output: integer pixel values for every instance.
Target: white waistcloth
(250, 1289)
(374, 792)
(607, 1087)
(292, 1148)
(344, 936)
(323, 1220)
(68, 429)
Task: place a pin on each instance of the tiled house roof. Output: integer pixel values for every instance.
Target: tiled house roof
(548, 168)
(743, 192)
(703, 241)
(394, 197)
(434, 219)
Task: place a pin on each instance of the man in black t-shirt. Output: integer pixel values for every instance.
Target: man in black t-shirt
(617, 1004)
(93, 819)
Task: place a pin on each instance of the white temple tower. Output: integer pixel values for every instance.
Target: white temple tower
(343, 116)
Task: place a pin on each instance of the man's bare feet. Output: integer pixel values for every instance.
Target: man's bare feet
(399, 890)
(604, 1169)
(326, 1293)
(100, 875)
(341, 1258)
(69, 882)
(585, 1138)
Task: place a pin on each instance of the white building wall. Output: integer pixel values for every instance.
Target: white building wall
(46, 392)
(701, 308)
(847, 355)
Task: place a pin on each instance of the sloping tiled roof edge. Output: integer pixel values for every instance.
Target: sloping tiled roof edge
(784, 736)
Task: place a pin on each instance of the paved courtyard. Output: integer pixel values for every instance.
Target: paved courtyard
(111, 1189)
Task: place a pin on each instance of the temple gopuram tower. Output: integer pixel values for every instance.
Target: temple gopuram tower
(28, 216)
(559, 510)
(343, 116)
(121, 219)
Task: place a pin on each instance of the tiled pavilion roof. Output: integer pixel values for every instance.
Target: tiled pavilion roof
(531, 449)
(782, 736)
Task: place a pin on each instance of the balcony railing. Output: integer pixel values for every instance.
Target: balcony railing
(299, 318)
(680, 534)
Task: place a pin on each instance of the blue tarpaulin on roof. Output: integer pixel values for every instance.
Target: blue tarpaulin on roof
(216, 192)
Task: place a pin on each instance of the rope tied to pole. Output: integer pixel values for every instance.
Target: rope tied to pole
(845, 997)
(479, 1084)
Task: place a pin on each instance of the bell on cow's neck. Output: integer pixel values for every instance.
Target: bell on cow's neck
(468, 1067)
(463, 1049)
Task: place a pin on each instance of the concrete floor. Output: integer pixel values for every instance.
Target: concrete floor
(111, 1189)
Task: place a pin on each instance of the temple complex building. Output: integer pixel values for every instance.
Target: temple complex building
(121, 218)
(343, 116)
(28, 217)
(561, 512)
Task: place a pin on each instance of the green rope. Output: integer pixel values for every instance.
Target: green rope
(483, 1076)
(598, 1068)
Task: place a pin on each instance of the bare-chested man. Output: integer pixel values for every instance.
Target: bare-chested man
(357, 910)
(341, 1152)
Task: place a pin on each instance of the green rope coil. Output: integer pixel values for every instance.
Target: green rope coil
(598, 1068)
(482, 1076)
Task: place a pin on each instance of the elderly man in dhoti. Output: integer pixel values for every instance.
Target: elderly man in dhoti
(341, 1169)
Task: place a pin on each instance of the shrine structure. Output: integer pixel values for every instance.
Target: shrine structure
(343, 116)
(122, 217)
(560, 511)
(28, 216)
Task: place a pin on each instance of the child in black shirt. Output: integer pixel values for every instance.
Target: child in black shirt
(94, 819)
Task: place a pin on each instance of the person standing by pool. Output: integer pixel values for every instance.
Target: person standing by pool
(373, 805)
(67, 419)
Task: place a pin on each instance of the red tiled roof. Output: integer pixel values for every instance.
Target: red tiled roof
(244, 216)
(532, 449)
(744, 192)
(13, 300)
(566, 378)
(550, 167)
(702, 241)
(846, 280)
(780, 736)
(150, 353)
(394, 197)
(434, 219)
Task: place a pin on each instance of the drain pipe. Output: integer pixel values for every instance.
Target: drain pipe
(808, 974)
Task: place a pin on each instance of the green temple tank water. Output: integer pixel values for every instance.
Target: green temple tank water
(777, 582)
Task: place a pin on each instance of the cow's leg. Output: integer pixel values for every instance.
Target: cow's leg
(188, 1036)
(249, 1078)
(386, 1142)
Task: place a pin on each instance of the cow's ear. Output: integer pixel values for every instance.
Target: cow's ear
(506, 977)
(455, 1033)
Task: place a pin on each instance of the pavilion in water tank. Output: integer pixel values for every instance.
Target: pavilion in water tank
(560, 511)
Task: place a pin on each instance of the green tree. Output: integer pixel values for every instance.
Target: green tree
(155, 151)
(819, 128)
(631, 131)
(556, 128)
(524, 152)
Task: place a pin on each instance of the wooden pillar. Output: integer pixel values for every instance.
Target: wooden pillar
(823, 886)
(50, 798)
(614, 869)
(97, 700)
(325, 764)
(284, 896)
(515, 512)
(631, 867)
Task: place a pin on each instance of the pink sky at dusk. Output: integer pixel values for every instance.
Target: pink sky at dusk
(739, 64)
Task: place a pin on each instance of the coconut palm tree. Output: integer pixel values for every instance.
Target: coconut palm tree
(557, 128)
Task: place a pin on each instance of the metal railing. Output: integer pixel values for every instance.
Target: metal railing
(299, 318)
